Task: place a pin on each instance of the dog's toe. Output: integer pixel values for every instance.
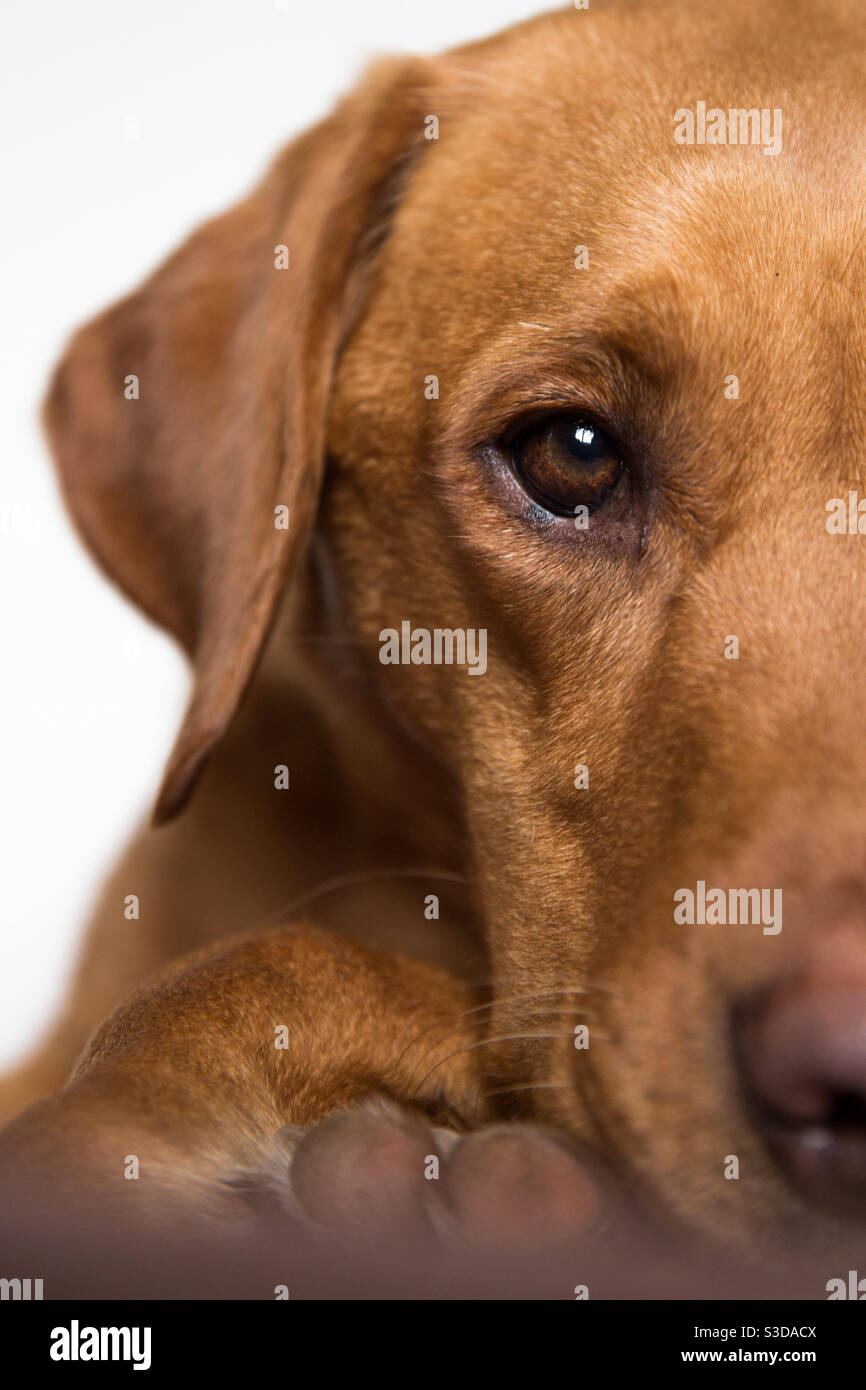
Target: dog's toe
(365, 1169)
(379, 1168)
(515, 1185)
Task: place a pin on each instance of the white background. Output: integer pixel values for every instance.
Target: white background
(91, 695)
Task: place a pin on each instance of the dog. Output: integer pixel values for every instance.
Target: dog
(507, 345)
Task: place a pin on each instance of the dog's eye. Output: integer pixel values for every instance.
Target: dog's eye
(567, 461)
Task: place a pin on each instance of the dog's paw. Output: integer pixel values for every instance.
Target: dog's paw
(379, 1168)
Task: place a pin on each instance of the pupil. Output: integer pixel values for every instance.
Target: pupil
(588, 444)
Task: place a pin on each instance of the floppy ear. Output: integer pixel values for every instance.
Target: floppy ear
(174, 477)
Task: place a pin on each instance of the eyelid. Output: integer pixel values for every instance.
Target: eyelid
(574, 374)
(521, 423)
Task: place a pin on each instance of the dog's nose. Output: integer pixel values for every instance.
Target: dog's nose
(802, 1045)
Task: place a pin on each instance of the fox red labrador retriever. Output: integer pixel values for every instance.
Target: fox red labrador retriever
(497, 463)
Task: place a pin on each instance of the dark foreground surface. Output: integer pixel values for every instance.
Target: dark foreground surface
(86, 1254)
(128, 1297)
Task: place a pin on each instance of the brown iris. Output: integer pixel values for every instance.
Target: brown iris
(567, 461)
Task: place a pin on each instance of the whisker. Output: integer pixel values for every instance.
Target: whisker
(550, 1009)
(331, 885)
(540, 993)
(531, 1086)
(329, 638)
(605, 989)
(454, 1019)
(485, 1042)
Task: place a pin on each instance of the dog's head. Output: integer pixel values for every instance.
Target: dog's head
(573, 317)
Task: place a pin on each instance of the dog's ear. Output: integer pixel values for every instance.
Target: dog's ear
(185, 419)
